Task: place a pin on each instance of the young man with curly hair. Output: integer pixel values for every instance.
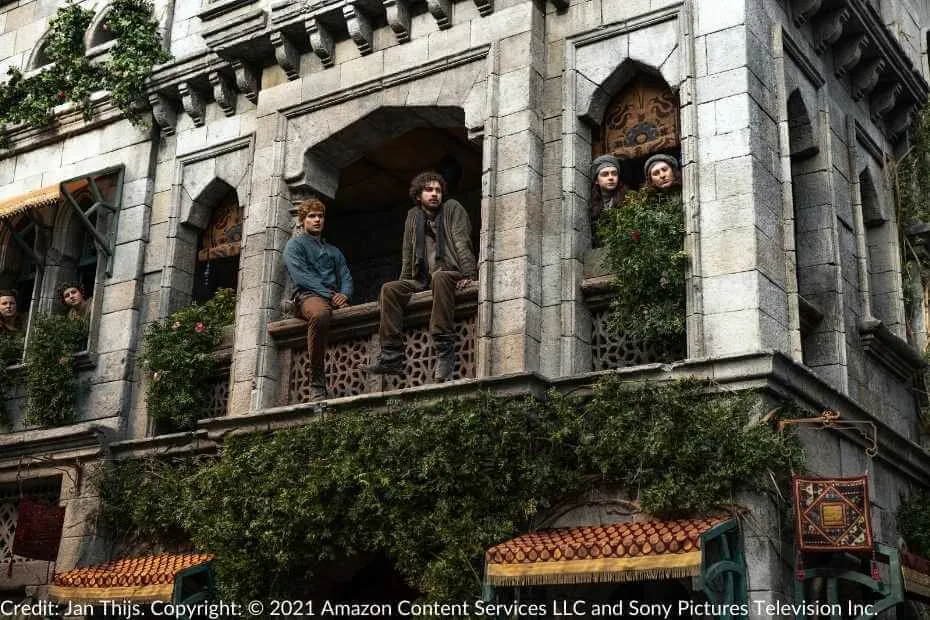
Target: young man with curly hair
(436, 254)
(322, 280)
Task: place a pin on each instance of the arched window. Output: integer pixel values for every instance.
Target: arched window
(642, 120)
(218, 249)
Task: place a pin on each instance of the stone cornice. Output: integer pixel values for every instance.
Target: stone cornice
(893, 352)
(81, 441)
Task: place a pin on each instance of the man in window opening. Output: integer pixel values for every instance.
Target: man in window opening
(323, 282)
(662, 172)
(72, 297)
(9, 319)
(437, 254)
(606, 189)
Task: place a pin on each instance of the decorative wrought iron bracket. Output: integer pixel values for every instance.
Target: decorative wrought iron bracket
(830, 419)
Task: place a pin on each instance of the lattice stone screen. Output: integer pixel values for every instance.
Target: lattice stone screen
(219, 394)
(612, 350)
(343, 358)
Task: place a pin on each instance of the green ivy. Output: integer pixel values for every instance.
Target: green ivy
(11, 352)
(431, 486)
(50, 368)
(178, 354)
(914, 523)
(72, 77)
(913, 174)
(644, 238)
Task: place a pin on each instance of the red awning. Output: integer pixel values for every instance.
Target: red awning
(609, 553)
(147, 578)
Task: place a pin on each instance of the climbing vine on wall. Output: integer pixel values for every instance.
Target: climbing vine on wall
(178, 354)
(71, 76)
(431, 486)
(50, 368)
(914, 523)
(913, 174)
(644, 238)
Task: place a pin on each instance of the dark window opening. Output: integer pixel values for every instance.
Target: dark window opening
(218, 248)
(366, 220)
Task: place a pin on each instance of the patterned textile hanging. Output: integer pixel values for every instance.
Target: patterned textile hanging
(643, 119)
(38, 530)
(832, 514)
(223, 235)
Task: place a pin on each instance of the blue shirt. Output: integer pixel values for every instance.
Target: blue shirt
(317, 267)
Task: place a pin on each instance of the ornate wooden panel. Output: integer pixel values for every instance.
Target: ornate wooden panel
(642, 119)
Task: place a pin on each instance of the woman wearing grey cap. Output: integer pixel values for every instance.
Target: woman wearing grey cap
(606, 189)
(661, 171)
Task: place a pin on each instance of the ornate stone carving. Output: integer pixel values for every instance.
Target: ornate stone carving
(223, 92)
(848, 53)
(286, 54)
(828, 28)
(884, 100)
(865, 77)
(441, 10)
(359, 27)
(805, 10)
(193, 103)
(165, 113)
(398, 17)
(321, 41)
(247, 79)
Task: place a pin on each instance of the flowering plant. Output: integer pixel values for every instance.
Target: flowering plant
(644, 238)
(178, 354)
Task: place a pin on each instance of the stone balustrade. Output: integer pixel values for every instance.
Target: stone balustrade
(353, 341)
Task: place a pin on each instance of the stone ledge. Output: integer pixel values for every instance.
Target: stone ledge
(80, 440)
(364, 318)
(894, 353)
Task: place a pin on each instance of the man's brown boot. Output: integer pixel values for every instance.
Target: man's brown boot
(388, 362)
(445, 357)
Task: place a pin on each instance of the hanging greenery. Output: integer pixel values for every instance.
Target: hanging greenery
(914, 523)
(50, 368)
(432, 486)
(913, 174)
(178, 354)
(70, 76)
(11, 352)
(644, 238)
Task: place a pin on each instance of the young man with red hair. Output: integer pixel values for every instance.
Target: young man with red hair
(323, 282)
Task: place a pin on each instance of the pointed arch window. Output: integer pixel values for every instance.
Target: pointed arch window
(218, 249)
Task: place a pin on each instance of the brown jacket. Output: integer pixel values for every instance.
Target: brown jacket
(458, 253)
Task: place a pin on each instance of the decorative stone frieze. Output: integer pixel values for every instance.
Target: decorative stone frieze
(865, 77)
(286, 54)
(828, 28)
(398, 18)
(359, 27)
(193, 102)
(866, 52)
(164, 110)
(321, 42)
(223, 92)
(441, 10)
(804, 10)
(848, 53)
(247, 79)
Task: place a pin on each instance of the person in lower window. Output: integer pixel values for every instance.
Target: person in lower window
(662, 172)
(10, 322)
(323, 282)
(72, 297)
(606, 188)
(436, 254)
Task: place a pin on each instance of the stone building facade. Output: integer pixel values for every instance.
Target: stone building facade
(790, 114)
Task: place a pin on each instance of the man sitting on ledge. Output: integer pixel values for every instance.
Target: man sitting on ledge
(323, 282)
(437, 254)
